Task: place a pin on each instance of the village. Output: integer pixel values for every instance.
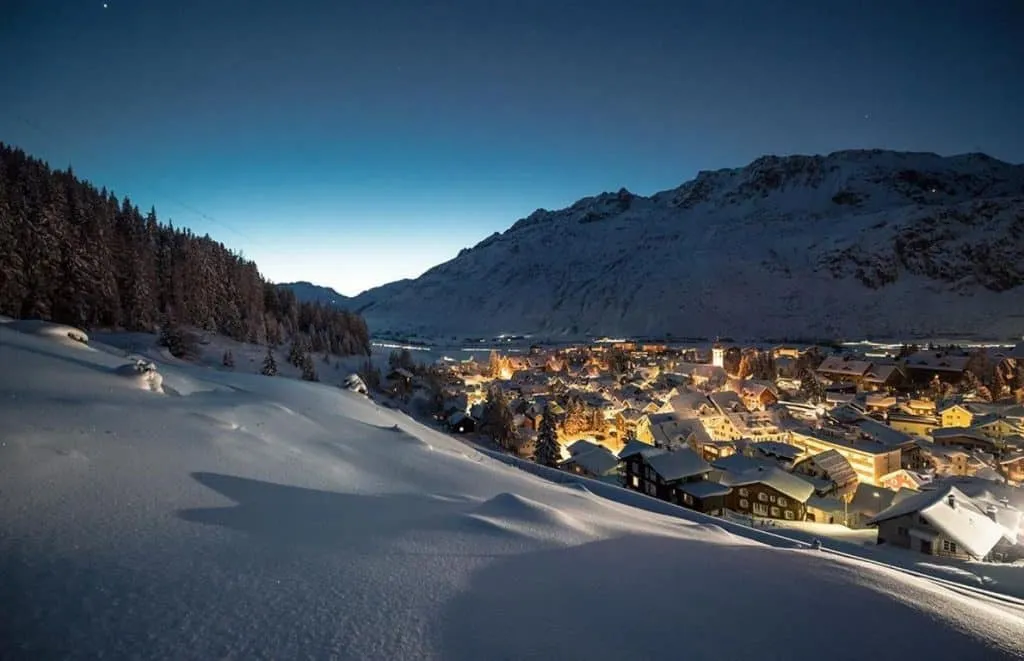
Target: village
(923, 446)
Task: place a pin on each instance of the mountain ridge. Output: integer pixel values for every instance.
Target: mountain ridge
(856, 242)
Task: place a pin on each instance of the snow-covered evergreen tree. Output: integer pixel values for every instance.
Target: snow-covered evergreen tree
(269, 364)
(548, 452)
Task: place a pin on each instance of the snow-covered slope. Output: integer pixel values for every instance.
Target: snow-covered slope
(851, 244)
(256, 517)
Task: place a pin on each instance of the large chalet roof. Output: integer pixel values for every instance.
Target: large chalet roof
(674, 430)
(678, 464)
(785, 483)
(844, 366)
(954, 514)
(883, 433)
(597, 461)
(936, 361)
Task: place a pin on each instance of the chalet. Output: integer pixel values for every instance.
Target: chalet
(905, 479)
(883, 377)
(670, 469)
(704, 496)
(879, 402)
(843, 368)
(831, 466)
(923, 366)
(768, 492)
(671, 432)
(957, 415)
(634, 466)
(757, 396)
(946, 522)
(995, 427)
(923, 407)
(631, 423)
(701, 374)
(460, 423)
(596, 462)
(1012, 466)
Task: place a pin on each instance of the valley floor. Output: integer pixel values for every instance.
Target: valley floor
(230, 515)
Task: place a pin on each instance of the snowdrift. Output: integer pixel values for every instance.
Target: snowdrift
(263, 517)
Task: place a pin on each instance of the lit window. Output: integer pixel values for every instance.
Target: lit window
(636, 481)
(744, 503)
(782, 501)
(948, 546)
(771, 499)
(760, 510)
(775, 512)
(789, 515)
(744, 492)
(688, 499)
(763, 497)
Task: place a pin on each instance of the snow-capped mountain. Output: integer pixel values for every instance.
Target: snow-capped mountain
(308, 292)
(854, 243)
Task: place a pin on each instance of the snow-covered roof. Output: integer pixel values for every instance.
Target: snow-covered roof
(688, 404)
(581, 446)
(844, 366)
(953, 433)
(836, 466)
(937, 361)
(727, 401)
(880, 373)
(678, 464)
(597, 461)
(778, 449)
(638, 447)
(786, 483)
(704, 488)
(954, 514)
(883, 433)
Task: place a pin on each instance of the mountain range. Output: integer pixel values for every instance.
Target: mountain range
(858, 243)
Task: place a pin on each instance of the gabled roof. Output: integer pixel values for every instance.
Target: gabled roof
(952, 433)
(688, 404)
(954, 514)
(880, 373)
(937, 361)
(727, 401)
(836, 466)
(776, 449)
(580, 447)
(738, 463)
(785, 483)
(844, 366)
(598, 461)
(678, 464)
(883, 433)
(638, 447)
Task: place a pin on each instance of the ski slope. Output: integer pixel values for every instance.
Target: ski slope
(240, 516)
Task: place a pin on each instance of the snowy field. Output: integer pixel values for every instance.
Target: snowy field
(230, 515)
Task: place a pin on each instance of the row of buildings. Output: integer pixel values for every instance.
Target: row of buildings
(687, 429)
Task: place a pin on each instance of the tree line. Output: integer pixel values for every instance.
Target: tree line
(75, 254)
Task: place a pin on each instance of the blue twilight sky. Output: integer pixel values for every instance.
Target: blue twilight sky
(353, 142)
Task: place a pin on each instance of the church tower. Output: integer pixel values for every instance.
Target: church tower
(718, 354)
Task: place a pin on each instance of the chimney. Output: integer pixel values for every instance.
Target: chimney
(990, 511)
(951, 501)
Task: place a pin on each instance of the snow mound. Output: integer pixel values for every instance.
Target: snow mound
(143, 374)
(66, 335)
(515, 514)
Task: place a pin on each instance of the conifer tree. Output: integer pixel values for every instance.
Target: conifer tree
(309, 369)
(269, 364)
(548, 451)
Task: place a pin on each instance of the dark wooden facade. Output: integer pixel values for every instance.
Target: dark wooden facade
(761, 500)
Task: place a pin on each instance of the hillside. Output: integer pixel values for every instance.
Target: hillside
(230, 515)
(307, 291)
(853, 244)
(75, 254)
